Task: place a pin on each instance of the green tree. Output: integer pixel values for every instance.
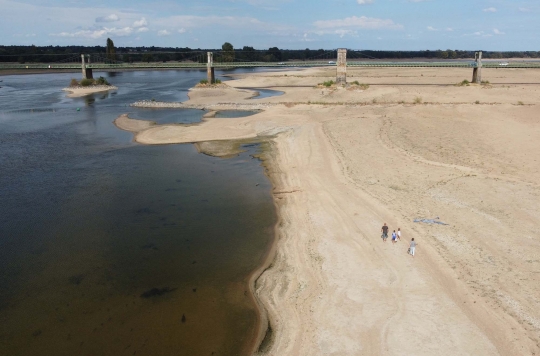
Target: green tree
(147, 57)
(110, 51)
(228, 52)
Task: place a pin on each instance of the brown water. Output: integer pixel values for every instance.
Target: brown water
(111, 248)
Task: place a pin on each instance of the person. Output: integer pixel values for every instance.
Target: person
(394, 237)
(412, 247)
(399, 233)
(384, 230)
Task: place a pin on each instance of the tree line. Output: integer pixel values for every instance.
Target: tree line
(227, 53)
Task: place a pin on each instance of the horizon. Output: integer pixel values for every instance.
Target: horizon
(376, 25)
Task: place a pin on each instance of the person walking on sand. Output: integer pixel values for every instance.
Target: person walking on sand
(412, 247)
(384, 230)
(399, 234)
(394, 237)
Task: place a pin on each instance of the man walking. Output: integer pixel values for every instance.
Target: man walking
(412, 247)
(384, 230)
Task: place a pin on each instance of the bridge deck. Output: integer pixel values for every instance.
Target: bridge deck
(192, 65)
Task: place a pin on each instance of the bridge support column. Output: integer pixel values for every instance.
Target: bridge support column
(210, 68)
(86, 72)
(477, 71)
(341, 75)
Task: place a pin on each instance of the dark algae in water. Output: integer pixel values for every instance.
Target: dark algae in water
(98, 235)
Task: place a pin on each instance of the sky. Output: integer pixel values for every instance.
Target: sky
(496, 25)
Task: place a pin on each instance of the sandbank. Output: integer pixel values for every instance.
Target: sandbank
(412, 145)
(75, 92)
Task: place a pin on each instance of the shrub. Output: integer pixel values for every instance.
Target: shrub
(355, 82)
(418, 100)
(87, 82)
(74, 83)
(217, 81)
(485, 82)
(203, 81)
(102, 81)
(328, 83)
(477, 102)
(464, 83)
(520, 103)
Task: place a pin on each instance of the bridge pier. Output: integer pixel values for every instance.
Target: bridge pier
(86, 72)
(210, 68)
(477, 71)
(341, 71)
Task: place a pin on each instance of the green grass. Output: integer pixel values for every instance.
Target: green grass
(463, 83)
(203, 81)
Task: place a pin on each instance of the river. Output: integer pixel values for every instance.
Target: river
(108, 247)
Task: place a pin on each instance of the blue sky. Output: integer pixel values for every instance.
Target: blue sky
(294, 24)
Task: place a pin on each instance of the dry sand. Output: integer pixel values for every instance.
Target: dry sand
(343, 162)
(75, 92)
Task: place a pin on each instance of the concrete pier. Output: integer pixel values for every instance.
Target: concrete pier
(210, 68)
(341, 75)
(477, 72)
(86, 72)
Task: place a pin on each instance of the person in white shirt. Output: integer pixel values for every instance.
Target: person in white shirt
(399, 233)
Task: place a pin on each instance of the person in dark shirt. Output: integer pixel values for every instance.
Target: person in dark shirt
(384, 230)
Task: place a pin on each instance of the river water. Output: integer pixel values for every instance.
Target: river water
(112, 248)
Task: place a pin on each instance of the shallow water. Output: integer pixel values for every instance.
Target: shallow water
(112, 248)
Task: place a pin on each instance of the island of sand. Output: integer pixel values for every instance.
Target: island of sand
(78, 91)
(412, 145)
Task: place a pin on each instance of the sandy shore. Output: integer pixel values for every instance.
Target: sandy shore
(412, 145)
(75, 92)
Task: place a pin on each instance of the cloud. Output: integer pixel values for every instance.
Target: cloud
(110, 18)
(430, 28)
(490, 9)
(361, 22)
(497, 32)
(143, 29)
(364, 2)
(140, 23)
(524, 9)
(97, 33)
(182, 30)
(449, 29)
(163, 33)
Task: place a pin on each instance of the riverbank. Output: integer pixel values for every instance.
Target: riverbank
(413, 145)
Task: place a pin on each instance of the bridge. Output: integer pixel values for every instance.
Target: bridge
(223, 60)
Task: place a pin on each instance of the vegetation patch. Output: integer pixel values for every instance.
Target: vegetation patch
(464, 83)
(360, 85)
(88, 82)
(417, 100)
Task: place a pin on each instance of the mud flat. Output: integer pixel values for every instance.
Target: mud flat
(412, 145)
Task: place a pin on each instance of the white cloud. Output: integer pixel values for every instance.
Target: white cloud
(182, 30)
(364, 2)
(449, 29)
(98, 33)
(140, 23)
(361, 22)
(110, 18)
(490, 9)
(430, 28)
(524, 9)
(497, 32)
(143, 29)
(163, 33)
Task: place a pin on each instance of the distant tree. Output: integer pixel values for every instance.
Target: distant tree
(110, 50)
(228, 52)
(147, 57)
(275, 54)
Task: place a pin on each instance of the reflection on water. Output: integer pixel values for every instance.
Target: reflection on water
(111, 248)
